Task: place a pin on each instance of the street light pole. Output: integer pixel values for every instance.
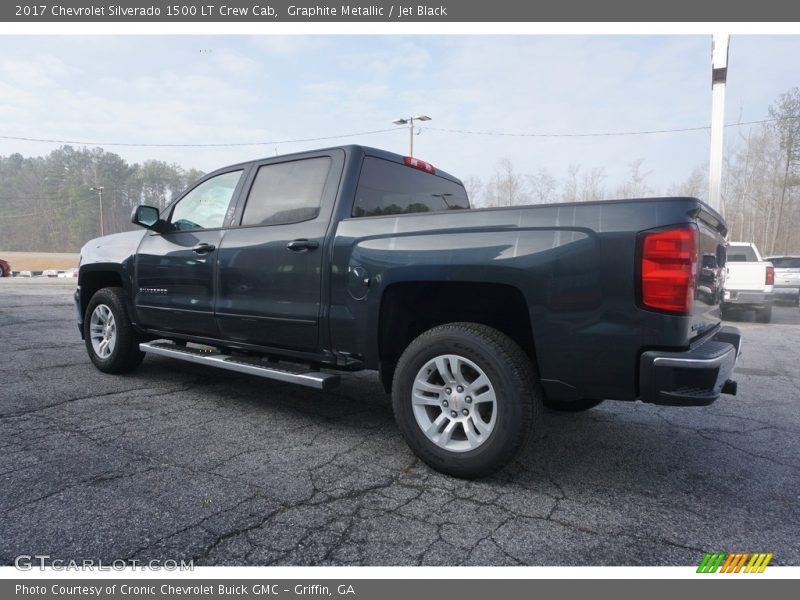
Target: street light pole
(410, 122)
(99, 189)
(719, 74)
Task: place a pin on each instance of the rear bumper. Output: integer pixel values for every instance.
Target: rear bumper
(784, 289)
(695, 377)
(756, 299)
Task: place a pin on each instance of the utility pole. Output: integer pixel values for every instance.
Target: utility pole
(99, 189)
(719, 74)
(410, 122)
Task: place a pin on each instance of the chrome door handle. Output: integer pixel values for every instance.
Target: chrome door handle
(302, 245)
(203, 248)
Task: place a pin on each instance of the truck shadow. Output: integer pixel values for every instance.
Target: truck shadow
(622, 448)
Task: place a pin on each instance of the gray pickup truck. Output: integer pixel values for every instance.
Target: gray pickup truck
(298, 267)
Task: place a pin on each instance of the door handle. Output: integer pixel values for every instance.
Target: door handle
(302, 245)
(203, 248)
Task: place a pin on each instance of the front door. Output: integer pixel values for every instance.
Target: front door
(176, 271)
(270, 266)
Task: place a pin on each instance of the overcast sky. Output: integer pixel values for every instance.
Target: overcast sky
(228, 89)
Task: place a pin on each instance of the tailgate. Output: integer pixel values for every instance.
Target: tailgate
(710, 276)
(746, 276)
(787, 277)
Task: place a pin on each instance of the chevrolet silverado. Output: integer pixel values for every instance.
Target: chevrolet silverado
(296, 268)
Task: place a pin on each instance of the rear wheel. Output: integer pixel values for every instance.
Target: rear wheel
(465, 398)
(764, 315)
(110, 339)
(571, 406)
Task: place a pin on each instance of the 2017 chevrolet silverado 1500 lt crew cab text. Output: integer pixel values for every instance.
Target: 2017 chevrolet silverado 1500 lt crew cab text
(296, 267)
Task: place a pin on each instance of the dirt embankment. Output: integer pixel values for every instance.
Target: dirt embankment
(40, 261)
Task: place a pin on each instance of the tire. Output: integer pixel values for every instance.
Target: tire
(764, 315)
(573, 406)
(477, 436)
(107, 320)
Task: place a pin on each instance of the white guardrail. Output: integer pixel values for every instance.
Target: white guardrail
(46, 273)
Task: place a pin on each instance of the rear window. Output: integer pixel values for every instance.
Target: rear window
(741, 254)
(786, 262)
(389, 188)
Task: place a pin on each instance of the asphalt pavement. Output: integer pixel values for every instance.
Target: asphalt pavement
(180, 462)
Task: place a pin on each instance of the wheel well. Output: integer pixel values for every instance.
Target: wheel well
(409, 309)
(96, 280)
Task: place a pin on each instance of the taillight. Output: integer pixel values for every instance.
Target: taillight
(410, 161)
(669, 266)
(770, 275)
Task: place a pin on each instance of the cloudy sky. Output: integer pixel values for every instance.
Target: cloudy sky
(186, 89)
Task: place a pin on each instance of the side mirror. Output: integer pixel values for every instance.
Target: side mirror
(147, 217)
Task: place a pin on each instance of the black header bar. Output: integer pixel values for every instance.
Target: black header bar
(134, 588)
(444, 11)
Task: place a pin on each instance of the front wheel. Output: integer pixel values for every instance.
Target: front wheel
(465, 398)
(110, 338)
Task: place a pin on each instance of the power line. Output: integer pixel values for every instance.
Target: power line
(606, 133)
(224, 145)
(348, 135)
(19, 216)
(19, 198)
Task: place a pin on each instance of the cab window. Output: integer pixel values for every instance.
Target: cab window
(206, 206)
(389, 188)
(741, 254)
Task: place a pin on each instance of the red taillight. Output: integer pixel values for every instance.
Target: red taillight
(410, 161)
(770, 275)
(669, 266)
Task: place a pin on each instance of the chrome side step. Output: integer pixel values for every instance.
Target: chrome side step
(252, 366)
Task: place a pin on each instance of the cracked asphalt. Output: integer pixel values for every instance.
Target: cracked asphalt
(176, 461)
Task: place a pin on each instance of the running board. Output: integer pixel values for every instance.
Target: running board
(252, 366)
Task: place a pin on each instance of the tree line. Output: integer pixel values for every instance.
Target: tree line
(760, 182)
(47, 204)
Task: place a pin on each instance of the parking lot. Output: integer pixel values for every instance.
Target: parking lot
(176, 461)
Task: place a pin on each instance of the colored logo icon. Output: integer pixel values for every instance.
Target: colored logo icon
(736, 562)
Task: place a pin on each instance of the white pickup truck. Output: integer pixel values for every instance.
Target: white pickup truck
(749, 283)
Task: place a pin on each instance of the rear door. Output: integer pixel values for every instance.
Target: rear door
(176, 271)
(271, 264)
